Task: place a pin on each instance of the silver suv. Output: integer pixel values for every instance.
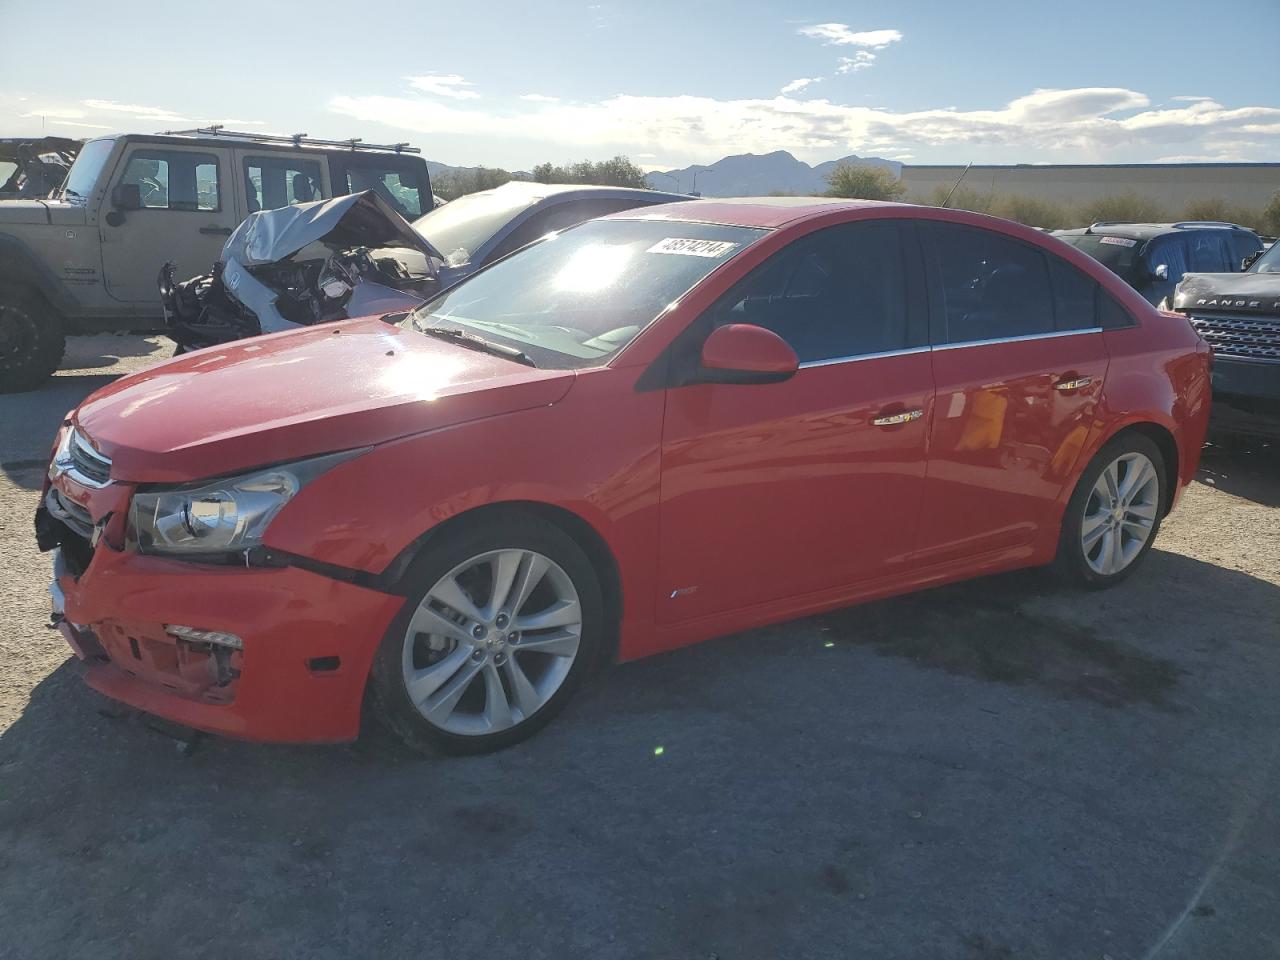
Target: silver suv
(86, 259)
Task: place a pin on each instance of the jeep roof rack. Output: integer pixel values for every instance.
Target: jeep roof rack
(297, 139)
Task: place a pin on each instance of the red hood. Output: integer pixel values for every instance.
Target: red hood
(292, 395)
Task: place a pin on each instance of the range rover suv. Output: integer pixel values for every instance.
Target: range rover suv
(1239, 315)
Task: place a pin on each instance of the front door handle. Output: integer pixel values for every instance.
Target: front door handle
(1075, 383)
(217, 231)
(893, 419)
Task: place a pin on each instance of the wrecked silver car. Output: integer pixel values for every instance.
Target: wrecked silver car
(301, 265)
(356, 256)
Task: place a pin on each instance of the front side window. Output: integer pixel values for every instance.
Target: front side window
(273, 182)
(398, 188)
(1170, 252)
(172, 180)
(992, 286)
(836, 293)
(576, 298)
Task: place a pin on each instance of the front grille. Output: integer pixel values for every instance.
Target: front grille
(1254, 337)
(88, 462)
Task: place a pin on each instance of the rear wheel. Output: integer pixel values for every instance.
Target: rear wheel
(32, 341)
(503, 623)
(1114, 514)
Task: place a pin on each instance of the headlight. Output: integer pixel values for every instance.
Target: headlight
(224, 516)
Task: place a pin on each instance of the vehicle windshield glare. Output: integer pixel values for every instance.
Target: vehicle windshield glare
(576, 298)
(84, 173)
(460, 227)
(1269, 262)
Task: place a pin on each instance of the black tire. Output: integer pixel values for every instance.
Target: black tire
(1071, 563)
(32, 342)
(507, 530)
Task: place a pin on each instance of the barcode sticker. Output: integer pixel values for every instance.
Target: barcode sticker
(692, 248)
(1118, 241)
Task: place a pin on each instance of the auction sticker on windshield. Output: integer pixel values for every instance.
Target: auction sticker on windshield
(1118, 241)
(692, 248)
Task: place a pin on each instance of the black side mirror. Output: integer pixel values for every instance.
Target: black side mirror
(126, 196)
(1250, 260)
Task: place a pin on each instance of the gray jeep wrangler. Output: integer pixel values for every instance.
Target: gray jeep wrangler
(87, 258)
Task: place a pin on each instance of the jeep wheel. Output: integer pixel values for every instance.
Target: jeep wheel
(32, 341)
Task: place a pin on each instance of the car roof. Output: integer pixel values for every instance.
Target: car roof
(1145, 231)
(766, 212)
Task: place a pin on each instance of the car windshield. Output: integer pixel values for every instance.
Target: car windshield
(1269, 262)
(461, 227)
(576, 298)
(85, 171)
(1118, 254)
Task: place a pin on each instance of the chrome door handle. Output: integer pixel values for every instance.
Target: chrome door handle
(894, 419)
(1073, 384)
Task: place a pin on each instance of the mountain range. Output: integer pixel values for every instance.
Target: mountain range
(756, 175)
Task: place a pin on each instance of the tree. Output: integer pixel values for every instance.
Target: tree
(451, 184)
(618, 172)
(860, 182)
(1269, 221)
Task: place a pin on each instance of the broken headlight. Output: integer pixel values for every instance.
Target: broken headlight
(222, 517)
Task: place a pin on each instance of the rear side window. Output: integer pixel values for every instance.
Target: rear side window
(173, 180)
(1210, 252)
(400, 189)
(837, 293)
(272, 182)
(1075, 297)
(992, 287)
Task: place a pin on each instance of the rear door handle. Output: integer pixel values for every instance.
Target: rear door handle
(1073, 384)
(217, 231)
(896, 418)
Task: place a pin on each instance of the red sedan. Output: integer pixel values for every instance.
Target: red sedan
(651, 429)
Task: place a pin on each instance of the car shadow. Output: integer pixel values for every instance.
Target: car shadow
(1248, 468)
(737, 798)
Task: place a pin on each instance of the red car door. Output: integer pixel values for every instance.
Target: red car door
(1019, 363)
(776, 490)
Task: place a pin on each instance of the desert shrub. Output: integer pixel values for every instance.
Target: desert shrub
(858, 182)
(1130, 207)
(1031, 210)
(1215, 208)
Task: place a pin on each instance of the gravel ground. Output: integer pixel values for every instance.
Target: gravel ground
(994, 770)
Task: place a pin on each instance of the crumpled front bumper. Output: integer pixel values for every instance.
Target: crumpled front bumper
(308, 643)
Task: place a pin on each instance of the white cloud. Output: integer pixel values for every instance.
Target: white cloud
(539, 98)
(444, 85)
(1190, 99)
(145, 113)
(862, 60)
(797, 85)
(839, 34)
(1077, 125)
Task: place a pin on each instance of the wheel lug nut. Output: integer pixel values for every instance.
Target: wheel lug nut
(478, 631)
(501, 621)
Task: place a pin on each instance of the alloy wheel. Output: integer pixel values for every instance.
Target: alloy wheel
(491, 642)
(1120, 514)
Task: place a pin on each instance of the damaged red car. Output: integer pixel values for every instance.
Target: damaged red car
(651, 429)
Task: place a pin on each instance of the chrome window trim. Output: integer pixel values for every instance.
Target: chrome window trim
(947, 346)
(864, 356)
(1031, 336)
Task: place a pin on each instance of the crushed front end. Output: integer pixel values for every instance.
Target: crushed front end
(261, 650)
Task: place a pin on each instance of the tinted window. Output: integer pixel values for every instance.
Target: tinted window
(1075, 297)
(1110, 314)
(1117, 254)
(1170, 251)
(272, 182)
(840, 292)
(1210, 252)
(991, 286)
(172, 180)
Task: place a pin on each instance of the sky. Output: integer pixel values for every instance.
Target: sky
(667, 84)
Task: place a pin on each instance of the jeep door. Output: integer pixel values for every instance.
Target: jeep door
(188, 210)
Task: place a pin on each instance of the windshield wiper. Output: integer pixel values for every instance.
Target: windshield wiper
(465, 339)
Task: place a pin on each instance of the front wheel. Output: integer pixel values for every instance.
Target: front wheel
(1114, 514)
(502, 624)
(32, 341)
